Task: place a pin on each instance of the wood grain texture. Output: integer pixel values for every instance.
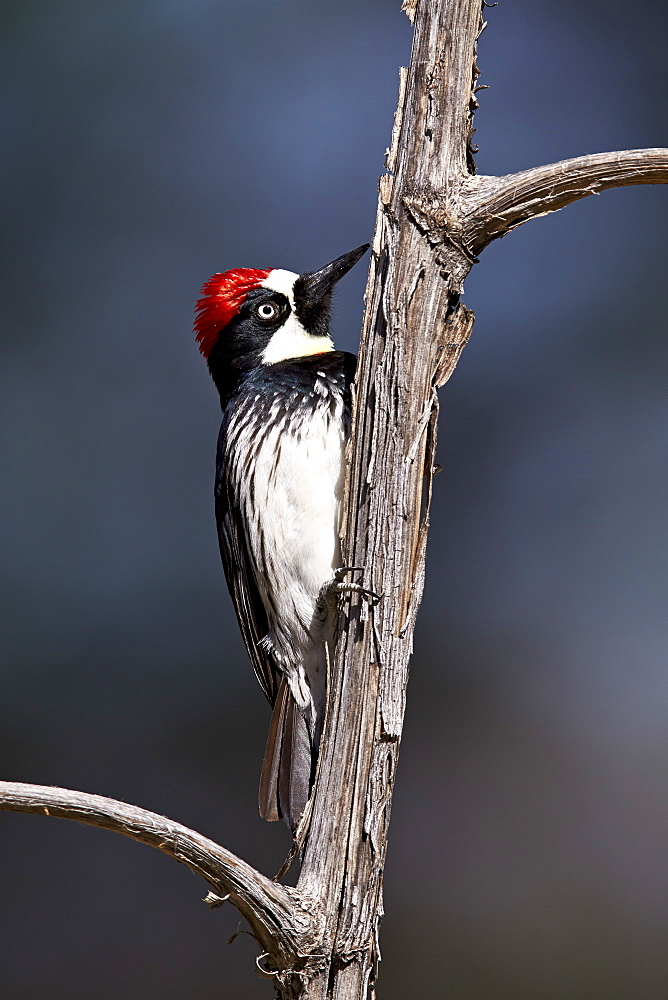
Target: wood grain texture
(279, 917)
(414, 331)
(492, 206)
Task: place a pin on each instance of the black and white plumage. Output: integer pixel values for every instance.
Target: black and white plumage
(285, 395)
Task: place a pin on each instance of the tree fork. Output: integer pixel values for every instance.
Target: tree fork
(320, 940)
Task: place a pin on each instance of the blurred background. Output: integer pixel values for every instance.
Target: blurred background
(150, 143)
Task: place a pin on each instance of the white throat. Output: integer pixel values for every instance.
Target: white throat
(291, 340)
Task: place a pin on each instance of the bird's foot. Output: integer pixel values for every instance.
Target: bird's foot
(339, 585)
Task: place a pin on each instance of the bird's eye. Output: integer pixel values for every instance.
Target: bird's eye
(267, 310)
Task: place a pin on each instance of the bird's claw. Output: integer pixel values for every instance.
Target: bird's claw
(338, 585)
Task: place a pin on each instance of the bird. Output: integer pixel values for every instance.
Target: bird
(285, 395)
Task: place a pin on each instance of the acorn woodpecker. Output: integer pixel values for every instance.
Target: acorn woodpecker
(285, 396)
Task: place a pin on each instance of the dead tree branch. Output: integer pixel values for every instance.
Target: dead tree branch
(492, 206)
(431, 210)
(277, 915)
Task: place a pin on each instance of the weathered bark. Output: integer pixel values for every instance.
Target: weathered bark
(414, 331)
(274, 911)
(491, 206)
(320, 940)
(434, 217)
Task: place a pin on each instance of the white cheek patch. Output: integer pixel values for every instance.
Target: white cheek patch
(291, 340)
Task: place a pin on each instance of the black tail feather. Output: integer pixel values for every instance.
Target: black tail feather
(289, 762)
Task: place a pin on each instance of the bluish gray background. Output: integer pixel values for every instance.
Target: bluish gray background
(150, 143)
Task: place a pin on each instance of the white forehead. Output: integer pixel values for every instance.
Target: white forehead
(281, 281)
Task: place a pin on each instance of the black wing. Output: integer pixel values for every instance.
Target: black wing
(240, 579)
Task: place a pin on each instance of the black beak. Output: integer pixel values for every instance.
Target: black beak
(313, 291)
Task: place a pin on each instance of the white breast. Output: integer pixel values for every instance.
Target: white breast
(291, 505)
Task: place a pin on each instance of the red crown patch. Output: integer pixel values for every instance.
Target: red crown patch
(222, 297)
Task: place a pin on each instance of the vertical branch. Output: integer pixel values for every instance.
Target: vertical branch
(414, 331)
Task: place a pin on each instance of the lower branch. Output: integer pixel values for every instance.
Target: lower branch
(495, 205)
(279, 919)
